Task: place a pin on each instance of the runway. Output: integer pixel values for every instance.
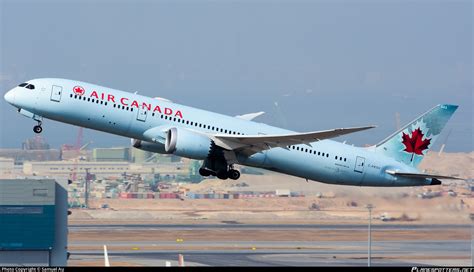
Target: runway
(274, 252)
(388, 254)
(78, 227)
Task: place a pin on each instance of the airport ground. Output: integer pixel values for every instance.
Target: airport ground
(413, 226)
(269, 244)
(328, 226)
(270, 232)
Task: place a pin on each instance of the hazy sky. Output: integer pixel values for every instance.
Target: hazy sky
(326, 64)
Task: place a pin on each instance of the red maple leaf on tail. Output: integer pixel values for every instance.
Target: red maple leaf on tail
(415, 144)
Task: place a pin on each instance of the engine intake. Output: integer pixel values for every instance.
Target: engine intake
(187, 143)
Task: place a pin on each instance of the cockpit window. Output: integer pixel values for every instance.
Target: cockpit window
(22, 84)
(30, 86)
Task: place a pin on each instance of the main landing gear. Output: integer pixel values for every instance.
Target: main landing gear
(221, 173)
(38, 128)
(217, 165)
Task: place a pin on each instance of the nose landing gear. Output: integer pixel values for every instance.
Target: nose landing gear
(38, 128)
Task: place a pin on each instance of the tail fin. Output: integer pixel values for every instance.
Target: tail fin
(412, 142)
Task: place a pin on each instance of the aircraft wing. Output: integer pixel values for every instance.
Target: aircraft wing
(419, 175)
(250, 144)
(250, 116)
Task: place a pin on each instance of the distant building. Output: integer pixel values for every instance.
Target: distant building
(140, 156)
(119, 154)
(22, 155)
(64, 168)
(35, 143)
(283, 192)
(100, 169)
(33, 223)
(6, 167)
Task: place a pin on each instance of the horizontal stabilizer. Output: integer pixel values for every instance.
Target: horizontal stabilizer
(250, 144)
(419, 175)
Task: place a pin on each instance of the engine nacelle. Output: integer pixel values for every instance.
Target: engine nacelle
(186, 143)
(147, 146)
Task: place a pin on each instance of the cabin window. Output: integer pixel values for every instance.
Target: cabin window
(89, 99)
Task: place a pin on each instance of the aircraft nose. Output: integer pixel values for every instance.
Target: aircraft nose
(10, 96)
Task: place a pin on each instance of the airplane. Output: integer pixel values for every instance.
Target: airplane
(222, 142)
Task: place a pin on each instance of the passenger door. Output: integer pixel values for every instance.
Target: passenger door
(56, 93)
(141, 114)
(359, 165)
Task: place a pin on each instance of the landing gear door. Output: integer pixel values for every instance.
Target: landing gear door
(56, 93)
(359, 166)
(141, 114)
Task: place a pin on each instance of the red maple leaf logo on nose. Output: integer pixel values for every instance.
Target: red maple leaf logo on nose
(415, 144)
(78, 90)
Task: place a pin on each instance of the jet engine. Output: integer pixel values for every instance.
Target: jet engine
(186, 143)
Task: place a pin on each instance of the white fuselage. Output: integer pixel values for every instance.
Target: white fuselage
(131, 115)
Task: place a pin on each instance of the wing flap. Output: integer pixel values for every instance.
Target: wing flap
(256, 143)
